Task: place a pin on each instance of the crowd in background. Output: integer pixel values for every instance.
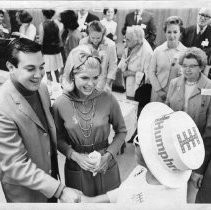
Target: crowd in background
(176, 72)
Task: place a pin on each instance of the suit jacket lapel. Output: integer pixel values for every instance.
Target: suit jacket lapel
(193, 35)
(24, 106)
(46, 105)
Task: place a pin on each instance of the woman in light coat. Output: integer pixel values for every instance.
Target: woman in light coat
(135, 59)
(164, 63)
(191, 93)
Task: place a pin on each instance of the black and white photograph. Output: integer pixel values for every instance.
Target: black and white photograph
(105, 104)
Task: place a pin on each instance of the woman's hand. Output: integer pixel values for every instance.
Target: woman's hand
(196, 179)
(104, 163)
(86, 199)
(83, 161)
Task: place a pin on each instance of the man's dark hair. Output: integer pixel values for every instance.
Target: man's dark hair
(48, 13)
(20, 45)
(69, 19)
(25, 17)
(106, 9)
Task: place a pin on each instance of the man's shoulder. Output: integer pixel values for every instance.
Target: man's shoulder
(130, 14)
(208, 31)
(6, 92)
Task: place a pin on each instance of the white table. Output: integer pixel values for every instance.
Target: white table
(129, 111)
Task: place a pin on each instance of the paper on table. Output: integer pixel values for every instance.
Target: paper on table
(96, 156)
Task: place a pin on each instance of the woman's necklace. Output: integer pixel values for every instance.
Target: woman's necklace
(84, 115)
(191, 83)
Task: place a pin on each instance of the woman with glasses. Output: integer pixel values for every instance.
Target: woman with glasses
(164, 63)
(191, 92)
(83, 117)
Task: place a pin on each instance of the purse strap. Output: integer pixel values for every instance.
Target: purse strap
(142, 81)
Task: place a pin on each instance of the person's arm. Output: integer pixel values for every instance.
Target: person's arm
(112, 68)
(153, 76)
(32, 33)
(117, 121)
(109, 197)
(153, 72)
(147, 62)
(119, 127)
(41, 33)
(170, 92)
(97, 199)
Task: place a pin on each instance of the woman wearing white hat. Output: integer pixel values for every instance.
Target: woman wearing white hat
(170, 147)
(191, 93)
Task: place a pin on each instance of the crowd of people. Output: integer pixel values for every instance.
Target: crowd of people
(174, 124)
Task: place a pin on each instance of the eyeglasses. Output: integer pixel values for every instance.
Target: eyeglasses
(205, 16)
(190, 66)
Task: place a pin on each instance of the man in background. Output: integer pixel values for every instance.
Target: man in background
(199, 35)
(146, 20)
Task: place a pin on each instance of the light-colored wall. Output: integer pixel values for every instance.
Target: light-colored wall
(188, 16)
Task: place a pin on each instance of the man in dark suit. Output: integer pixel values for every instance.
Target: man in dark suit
(28, 155)
(85, 17)
(146, 20)
(199, 35)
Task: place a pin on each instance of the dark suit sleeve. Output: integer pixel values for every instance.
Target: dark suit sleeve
(151, 32)
(126, 24)
(184, 35)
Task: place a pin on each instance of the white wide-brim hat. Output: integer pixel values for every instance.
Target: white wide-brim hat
(161, 135)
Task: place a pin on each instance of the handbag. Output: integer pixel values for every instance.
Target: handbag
(143, 93)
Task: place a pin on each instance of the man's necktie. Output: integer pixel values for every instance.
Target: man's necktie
(136, 18)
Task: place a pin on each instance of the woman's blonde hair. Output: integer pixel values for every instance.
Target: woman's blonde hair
(80, 58)
(137, 32)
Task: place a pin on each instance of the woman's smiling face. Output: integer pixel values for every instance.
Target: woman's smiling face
(86, 81)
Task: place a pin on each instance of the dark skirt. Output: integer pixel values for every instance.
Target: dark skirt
(90, 185)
